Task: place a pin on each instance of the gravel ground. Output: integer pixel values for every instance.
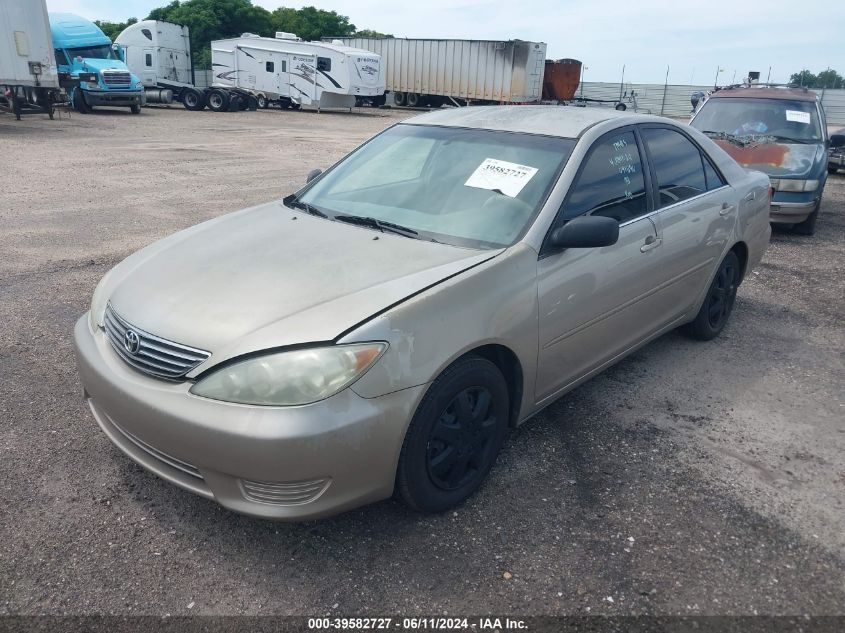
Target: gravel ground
(689, 479)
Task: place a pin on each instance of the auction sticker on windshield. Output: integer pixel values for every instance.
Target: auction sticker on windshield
(500, 175)
(798, 116)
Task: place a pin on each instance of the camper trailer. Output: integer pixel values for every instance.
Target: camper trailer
(294, 73)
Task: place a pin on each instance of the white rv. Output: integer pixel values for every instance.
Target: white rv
(296, 73)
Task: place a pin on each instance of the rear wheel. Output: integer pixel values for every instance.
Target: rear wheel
(719, 302)
(262, 101)
(218, 100)
(808, 226)
(193, 99)
(399, 98)
(412, 100)
(454, 437)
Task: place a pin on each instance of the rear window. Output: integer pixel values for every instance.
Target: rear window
(783, 120)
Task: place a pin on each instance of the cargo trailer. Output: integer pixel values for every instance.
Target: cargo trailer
(425, 72)
(29, 80)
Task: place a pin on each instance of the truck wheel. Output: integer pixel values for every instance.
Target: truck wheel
(218, 100)
(412, 100)
(79, 104)
(262, 102)
(135, 109)
(193, 99)
(252, 104)
(234, 103)
(295, 106)
(399, 98)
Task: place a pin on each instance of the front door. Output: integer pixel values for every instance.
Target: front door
(596, 303)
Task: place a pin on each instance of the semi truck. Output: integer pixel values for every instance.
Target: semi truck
(29, 80)
(96, 74)
(294, 73)
(428, 72)
(160, 54)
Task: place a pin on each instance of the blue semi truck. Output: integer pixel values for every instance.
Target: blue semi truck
(90, 68)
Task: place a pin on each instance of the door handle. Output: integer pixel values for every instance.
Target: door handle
(726, 208)
(650, 242)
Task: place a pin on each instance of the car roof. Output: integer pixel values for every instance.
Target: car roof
(751, 92)
(562, 121)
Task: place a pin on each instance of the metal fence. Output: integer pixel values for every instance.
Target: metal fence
(674, 100)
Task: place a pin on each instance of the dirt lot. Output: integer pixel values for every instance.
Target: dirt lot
(690, 479)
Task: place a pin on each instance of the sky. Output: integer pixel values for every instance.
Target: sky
(695, 39)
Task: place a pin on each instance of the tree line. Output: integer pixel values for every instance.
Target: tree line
(825, 79)
(218, 19)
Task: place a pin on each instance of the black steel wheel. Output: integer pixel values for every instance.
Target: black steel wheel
(455, 436)
(719, 302)
(413, 100)
(399, 98)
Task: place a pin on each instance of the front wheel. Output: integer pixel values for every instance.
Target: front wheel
(79, 103)
(454, 437)
(808, 226)
(719, 302)
(135, 109)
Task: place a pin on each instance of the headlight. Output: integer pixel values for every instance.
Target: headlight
(98, 302)
(794, 185)
(291, 378)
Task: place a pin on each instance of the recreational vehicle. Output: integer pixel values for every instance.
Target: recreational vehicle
(296, 73)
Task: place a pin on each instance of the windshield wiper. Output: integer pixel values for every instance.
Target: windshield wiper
(381, 225)
(295, 203)
(797, 141)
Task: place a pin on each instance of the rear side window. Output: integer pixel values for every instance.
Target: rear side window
(611, 181)
(714, 179)
(678, 165)
(324, 64)
(148, 59)
(269, 66)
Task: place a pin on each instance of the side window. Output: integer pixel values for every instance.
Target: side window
(677, 164)
(268, 66)
(147, 34)
(61, 58)
(148, 60)
(611, 181)
(284, 66)
(324, 64)
(714, 180)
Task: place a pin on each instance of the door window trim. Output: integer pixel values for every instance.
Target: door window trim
(545, 250)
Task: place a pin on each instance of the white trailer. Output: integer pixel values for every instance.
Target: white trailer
(295, 73)
(425, 72)
(28, 74)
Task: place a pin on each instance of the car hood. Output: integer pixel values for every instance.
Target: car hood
(95, 64)
(268, 277)
(777, 159)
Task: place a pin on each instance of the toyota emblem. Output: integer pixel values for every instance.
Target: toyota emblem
(131, 341)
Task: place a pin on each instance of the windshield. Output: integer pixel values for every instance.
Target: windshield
(103, 51)
(476, 188)
(796, 121)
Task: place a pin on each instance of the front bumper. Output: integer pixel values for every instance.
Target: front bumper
(290, 463)
(836, 160)
(791, 208)
(118, 99)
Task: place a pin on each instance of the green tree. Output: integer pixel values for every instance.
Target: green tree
(371, 33)
(803, 78)
(113, 29)
(311, 23)
(830, 79)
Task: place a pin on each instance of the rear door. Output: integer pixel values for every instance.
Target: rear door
(596, 303)
(696, 213)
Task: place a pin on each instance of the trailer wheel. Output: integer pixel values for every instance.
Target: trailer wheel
(193, 99)
(412, 100)
(218, 100)
(399, 98)
(262, 102)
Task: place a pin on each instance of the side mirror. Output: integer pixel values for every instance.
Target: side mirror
(586, 231)
(312, 175)
(837, 140)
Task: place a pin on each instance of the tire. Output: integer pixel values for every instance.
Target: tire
(808, 226)
(454, 438)
(832, 170)
(262, 102)
(218, 100)
(193, 99)
(412, 100)
(252, 104)
(719, 302)
(79, 103)
(235, 103)
(399, 98)
(295, 106)
(621, 107)
(135, 109)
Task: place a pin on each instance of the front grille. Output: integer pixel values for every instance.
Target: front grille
(117, 78)
(149, 353)
(283, 494)
(171, 461)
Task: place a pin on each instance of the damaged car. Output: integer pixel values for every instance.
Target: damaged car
(781, 132)
(382, 329)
